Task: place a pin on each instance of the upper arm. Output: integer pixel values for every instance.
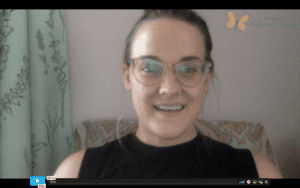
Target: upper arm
(69, 168)
(265, 168)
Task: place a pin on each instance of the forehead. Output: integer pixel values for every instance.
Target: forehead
(168, 39)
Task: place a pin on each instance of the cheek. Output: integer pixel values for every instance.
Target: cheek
(137, 93)
(142, 106)
(137, 99)
(196, 99)
(141, 100)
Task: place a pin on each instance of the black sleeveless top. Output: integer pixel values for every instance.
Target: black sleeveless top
(201, 157)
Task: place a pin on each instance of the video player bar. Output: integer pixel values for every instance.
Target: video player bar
(219, 182)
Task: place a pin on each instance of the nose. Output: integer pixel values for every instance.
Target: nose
(169, 84)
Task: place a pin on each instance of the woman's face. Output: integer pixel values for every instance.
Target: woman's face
(170, 40)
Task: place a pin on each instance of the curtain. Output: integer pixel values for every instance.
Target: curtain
(36, 133)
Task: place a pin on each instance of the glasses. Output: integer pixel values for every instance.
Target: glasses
(150, 72)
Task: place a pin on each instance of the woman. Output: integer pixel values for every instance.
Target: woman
(168, 69)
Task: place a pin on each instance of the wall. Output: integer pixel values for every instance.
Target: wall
(258, 71)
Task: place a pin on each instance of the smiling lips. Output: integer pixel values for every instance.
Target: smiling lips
(166, 108)
(170, 105)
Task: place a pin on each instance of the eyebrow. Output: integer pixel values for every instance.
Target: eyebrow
(187, 58)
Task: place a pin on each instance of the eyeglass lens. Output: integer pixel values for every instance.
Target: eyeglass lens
(150, 71)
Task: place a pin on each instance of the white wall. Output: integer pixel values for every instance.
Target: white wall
(258, 71)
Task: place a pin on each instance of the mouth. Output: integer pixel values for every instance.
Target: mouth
(169, 110)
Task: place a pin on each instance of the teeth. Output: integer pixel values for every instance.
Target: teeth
(169, 107)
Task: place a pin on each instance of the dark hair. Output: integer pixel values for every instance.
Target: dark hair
(187, 16)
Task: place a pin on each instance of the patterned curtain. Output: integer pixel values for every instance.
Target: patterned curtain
(36, 134)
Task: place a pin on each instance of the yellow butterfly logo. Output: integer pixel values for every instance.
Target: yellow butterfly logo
(241, 24)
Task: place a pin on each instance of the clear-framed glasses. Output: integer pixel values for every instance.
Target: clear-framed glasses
(150, 72)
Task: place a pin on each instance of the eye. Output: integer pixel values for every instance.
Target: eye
(190, 67)
(150, 66)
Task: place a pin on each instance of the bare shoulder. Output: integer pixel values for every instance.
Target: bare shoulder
(69, 168)
(265, 168)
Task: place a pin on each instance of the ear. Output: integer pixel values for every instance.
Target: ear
(125, 70)
(206, 83)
